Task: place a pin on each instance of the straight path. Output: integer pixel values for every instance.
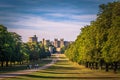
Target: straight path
(28, 71)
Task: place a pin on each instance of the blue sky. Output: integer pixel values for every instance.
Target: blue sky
(48, 19)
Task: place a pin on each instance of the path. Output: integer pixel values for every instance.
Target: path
(23, 72)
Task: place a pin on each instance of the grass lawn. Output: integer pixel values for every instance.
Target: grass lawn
(66, 70)
(23, 66)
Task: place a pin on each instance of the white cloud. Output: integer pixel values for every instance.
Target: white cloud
(56, 15)
(29, 25)
(47, 29)
(53, 19)
(26, 33)
(84, 17)
(64, 10)
(87, 17)
(38, 22)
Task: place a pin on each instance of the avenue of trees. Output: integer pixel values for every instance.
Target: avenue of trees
(98, 44)
(13, 50)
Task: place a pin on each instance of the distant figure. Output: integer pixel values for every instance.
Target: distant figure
(30, 66)
(37, 65)
(27, 66)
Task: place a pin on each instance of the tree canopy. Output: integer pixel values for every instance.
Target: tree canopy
(12, 49)
(99, 43)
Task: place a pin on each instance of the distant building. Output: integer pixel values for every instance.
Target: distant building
(51, 49)
(51, 45)
(66, 43)
(62, 43)
(59, 43)
(58, 49)
(52, 42)
(46, 42)
(56, 43)
(33, 39)
(43, 41)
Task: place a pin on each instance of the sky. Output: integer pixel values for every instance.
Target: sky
(48, 19)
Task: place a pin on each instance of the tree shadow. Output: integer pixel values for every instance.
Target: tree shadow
(54, 72)
(62, 68)
(54, 77)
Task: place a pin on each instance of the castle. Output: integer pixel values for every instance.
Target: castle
(57, 44)
(33, 39)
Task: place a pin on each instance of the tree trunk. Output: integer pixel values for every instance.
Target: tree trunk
(101, 64)
(92, 65)
(14, 63)
(107, 67)
(10, 63)
(96, 65)
(86, 64)
(2, 63)
(115, 67)
(6, 63)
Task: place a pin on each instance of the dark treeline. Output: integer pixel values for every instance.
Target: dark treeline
(98, 44)
(13, 50)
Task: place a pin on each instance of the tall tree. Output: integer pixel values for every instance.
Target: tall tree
(98, 43)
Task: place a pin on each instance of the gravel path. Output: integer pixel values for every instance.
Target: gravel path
(23, 72)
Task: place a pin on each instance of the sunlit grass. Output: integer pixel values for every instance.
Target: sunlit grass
(67, 70)
(24, 66)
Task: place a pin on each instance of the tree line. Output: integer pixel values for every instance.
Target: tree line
(13, 50)
(98, 44)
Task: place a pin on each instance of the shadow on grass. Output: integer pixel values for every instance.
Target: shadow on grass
(62, 68)
(52, 72)
(54, 77)
(62, 57)
(13, 68)
(62, 62)
(22, 67)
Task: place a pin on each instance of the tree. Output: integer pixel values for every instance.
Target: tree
(99, 42)
(10, 47)
(3, 43)
(111, 52)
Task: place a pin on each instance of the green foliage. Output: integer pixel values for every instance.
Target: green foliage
(37, 51)
(100, 41)
(10, 46)
(12, 49)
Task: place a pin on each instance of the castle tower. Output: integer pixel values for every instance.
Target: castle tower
(61, 43)
(33, 39)
(56, 43)
(43, 41)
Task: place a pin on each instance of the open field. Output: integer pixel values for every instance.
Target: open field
(66, 70)
(24, 66)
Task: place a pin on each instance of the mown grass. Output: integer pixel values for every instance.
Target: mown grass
(12, 68)
(66, 70)
(23, 66)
